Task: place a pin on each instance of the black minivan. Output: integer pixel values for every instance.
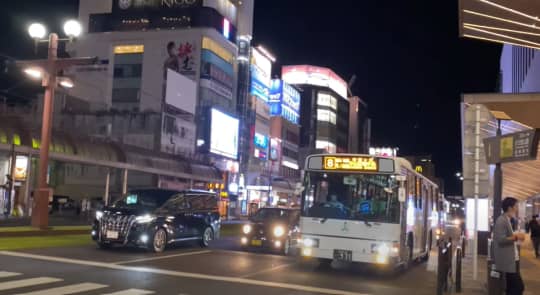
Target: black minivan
(155, 218)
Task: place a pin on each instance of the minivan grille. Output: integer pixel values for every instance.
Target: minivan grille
(118, 223)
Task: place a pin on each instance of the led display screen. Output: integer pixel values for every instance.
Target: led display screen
(223, 134)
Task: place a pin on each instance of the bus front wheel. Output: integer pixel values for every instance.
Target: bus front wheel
(325, 263)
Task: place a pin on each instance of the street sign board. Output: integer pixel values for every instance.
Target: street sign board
(519, 146)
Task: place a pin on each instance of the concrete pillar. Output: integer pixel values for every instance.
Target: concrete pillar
(124, 181)
(107, 184)
(27, 186)
(191, 184)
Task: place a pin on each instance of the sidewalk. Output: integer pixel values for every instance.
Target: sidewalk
(530, 272)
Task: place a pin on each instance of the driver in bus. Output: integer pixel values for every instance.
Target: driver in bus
(335, 202)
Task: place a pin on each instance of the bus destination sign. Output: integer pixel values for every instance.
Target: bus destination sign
(351, 163)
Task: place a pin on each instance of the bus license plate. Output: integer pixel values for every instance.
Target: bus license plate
(343, 255)
(256, 243)
(112, 234)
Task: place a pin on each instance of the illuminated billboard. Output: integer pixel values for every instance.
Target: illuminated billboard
(284, 101)
(224, 131)
(317, 76)
(261, 73)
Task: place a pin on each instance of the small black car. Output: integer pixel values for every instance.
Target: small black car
(154, 218)
(272, 228)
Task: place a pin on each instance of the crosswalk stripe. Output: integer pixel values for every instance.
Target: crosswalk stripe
(7, 274)
(65, 290)
(27, 283)
(131, 292)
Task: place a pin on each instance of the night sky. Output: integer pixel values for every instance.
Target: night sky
(410, 63)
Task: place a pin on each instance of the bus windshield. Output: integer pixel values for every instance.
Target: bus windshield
(366, 197)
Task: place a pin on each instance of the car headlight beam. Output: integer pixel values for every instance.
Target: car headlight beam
(279, 231)
(246, 229)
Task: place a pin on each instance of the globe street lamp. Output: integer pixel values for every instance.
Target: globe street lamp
(47, 70)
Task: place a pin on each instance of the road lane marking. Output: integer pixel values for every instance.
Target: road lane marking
(7, 274)
(162, 257)
(181, 274)
(266, 270)
(131, 292)
(66, 290)
(27, 283)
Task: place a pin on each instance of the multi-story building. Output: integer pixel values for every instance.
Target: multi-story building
(520, 69)
(285, 140)
(329, 119)
(166, 80)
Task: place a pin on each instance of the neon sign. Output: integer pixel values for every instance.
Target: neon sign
(350, 163)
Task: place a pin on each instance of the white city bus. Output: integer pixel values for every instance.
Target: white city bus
(360, 208)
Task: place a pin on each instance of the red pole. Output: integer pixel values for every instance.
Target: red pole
(40, 215)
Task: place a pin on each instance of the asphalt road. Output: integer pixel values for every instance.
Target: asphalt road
(190, 270)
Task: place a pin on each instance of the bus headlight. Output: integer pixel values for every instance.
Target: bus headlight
(279, 231)
(310, 243)
(383, 250)
(246, 229)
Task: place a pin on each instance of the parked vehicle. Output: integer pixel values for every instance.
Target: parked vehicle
(272, 228)
(61, 203)
(155, 218)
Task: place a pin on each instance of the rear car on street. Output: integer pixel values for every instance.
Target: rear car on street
(272, 228)
(155, 218)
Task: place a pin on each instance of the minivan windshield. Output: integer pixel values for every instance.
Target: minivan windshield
(367, 197)
(146, 199)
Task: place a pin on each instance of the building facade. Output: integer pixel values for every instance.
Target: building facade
(330, 120)
(519, 69)
(166, 80)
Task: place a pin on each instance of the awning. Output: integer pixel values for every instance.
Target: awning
(502, 21)
(520, 179)
(98, 152)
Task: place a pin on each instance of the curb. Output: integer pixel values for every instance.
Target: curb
(41, 233)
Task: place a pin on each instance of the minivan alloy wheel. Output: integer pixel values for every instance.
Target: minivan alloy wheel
(160, 240)
(208, 235)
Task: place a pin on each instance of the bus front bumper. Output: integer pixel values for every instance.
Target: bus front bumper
(355, 256)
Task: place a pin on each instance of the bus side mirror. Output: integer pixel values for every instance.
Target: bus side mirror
(402, 197)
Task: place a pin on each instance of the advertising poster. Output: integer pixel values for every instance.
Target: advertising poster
(217, 74)
(224, 134)
(178, 136)
(261, 73)
(284, 101)
(130, 6)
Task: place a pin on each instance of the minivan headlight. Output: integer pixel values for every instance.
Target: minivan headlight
(144, 218)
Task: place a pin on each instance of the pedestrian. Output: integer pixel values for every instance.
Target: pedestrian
(534, 229)
(505, 250)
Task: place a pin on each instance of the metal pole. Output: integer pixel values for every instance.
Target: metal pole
(124, 182)
(40, 216)
(107, 184)
(497, 182)
(476, 191)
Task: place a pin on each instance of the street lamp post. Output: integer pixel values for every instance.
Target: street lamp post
(48, 70)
